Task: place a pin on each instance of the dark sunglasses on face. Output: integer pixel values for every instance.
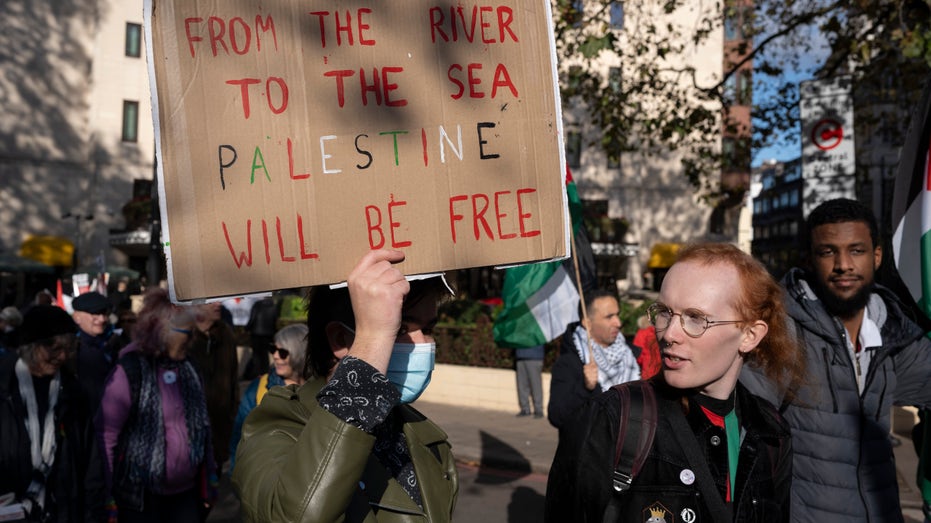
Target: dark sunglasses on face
(282, 353)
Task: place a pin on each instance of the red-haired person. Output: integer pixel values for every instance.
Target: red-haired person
(719, 453)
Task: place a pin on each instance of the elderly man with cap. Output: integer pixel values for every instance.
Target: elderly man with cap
(50, 461)
(98, 344)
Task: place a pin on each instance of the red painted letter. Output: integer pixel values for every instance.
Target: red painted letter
(374, 227)
(244, 257)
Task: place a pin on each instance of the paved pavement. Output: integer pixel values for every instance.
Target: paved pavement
(496, 439)
(491, 439)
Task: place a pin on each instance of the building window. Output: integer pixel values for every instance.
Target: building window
(731, 23)
(737, 22)
(571, 81)
(735, 153)
(574, 149)
(614, 80)
(574, 12)
(133, 40)
(130, 121)
(617, 15)
(745, 87)
(739, 88)
(614, 158)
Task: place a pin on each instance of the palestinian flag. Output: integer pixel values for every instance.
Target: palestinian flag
(541, 299)
(911, 243)
(911, 210)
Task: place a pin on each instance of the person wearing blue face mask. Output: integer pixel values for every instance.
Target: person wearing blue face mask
(347, 444)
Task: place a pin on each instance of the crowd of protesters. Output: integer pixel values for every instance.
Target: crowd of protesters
(769, 402)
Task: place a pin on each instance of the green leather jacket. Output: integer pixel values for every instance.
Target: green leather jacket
(298, 462)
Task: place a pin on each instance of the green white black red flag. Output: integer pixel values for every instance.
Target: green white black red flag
(911, 242)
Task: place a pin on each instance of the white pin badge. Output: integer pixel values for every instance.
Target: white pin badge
(170, 377)
(687, 477)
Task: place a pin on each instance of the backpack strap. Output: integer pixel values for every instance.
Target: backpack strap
(262, 388)
(637, 427)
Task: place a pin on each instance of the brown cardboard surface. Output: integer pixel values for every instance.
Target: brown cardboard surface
(293, 136)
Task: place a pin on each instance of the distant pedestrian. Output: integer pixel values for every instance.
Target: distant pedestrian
(529, 363)
(262, 325)
(98, 343)
(593, 357)
(213, 350)
(119, 297)
(647, 346)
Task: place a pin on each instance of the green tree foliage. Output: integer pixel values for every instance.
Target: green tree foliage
(660, 102)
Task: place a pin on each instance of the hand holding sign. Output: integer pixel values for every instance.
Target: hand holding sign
(377, 289)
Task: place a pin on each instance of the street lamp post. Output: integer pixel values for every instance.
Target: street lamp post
(78, 217)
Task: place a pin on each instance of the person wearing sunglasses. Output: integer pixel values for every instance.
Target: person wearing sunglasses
(719, 453)
(50, 469)
(287, 354)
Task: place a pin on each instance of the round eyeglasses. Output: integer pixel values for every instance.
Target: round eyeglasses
(693, 323)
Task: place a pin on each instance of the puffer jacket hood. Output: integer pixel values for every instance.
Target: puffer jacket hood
(884, 308)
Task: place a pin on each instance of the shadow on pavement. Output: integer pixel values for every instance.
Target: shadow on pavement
(498, 456)
(226, 509)
(526, 506)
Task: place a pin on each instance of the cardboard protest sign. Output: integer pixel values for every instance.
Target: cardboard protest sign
(294, 136)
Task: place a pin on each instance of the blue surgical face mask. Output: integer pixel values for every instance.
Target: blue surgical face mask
(410, 367)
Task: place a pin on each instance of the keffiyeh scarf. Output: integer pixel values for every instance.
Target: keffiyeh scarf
(616, 362)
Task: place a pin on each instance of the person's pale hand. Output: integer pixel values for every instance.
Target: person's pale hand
(377, 289)
(590, 371)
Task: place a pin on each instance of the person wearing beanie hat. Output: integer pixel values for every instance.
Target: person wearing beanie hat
(98, 344)
(48, 453)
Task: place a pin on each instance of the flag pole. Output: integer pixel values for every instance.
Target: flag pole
(578, 277)
(578, 282)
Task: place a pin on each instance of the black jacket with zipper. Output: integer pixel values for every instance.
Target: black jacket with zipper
(669, 484)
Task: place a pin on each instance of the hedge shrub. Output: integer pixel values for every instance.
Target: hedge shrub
(464, 334)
